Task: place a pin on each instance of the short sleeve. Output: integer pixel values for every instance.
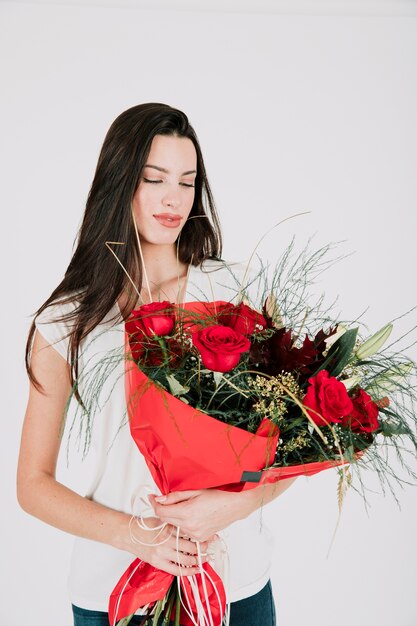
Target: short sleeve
(54, 328)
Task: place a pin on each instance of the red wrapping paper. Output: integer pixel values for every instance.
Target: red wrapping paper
(187, 449)
(143, 584)
(184, 449)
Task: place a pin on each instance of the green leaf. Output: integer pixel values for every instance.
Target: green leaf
(389, 428)
(340, 353)
(349, 454)
(125, 621)
(294, 423)
(175, 387)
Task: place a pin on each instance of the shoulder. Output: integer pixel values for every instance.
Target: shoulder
(60, 307)
(56, 321)
(60, 311)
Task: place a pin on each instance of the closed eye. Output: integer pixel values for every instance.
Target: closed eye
(147, 180)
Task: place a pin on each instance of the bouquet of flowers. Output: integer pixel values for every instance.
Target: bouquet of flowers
(273, 399)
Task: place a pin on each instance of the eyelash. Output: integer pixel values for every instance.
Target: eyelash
(146, 180)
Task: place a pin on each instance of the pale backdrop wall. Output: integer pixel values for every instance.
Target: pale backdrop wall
(302, 111)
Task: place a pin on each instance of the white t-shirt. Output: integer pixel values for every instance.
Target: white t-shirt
(117, 468)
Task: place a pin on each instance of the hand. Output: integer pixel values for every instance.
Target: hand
(164, 553)
(201, 513)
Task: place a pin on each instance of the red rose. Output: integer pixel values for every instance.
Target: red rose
(364, 417)
(220, 347)
(156, 318)
(241, 318)
(327, 396)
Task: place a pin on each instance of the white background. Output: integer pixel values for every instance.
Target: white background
(303, 106)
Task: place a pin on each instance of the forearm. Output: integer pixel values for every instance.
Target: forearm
(61, 507)
(41, 495)
(50, 501)
(202, 513)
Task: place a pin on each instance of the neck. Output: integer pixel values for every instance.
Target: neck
(166, 276)
(161, 264)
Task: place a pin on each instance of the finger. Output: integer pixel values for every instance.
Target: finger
(193, 546)
(184, 545)
(195, 535)
(185, 560)
(178, 570)
(177, 496)
(196, 547)
(204, 546)
(167, 515)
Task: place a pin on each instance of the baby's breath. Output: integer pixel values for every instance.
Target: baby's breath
(272, 395)
(296, 443)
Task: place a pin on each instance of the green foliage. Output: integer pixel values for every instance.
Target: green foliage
(393, 428)
(340, 353)
(230, 398)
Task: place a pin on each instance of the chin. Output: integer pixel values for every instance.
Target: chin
(168, 239)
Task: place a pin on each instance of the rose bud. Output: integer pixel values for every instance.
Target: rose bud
(364, 416)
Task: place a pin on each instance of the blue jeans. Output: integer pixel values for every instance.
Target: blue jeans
(257, 610)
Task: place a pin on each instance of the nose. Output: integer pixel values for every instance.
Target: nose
(171, 198)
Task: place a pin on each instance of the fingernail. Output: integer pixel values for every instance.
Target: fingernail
(160, 498)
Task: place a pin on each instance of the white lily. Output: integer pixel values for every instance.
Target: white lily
(374, 343)
(351, 382)
(388, 381)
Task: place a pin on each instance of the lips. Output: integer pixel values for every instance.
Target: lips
(169, 220)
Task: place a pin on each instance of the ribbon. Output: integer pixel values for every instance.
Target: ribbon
(142, 585)
(202, 596)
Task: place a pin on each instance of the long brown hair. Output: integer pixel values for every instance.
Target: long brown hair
(93, 273)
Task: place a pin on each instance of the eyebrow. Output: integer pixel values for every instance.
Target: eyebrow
(162, 169)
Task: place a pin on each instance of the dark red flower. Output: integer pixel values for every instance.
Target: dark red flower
(364, 416)
(220, 347)
(278, 353)
(328, 399)
(284, 356)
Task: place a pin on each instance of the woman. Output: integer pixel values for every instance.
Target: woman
(149, 187)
